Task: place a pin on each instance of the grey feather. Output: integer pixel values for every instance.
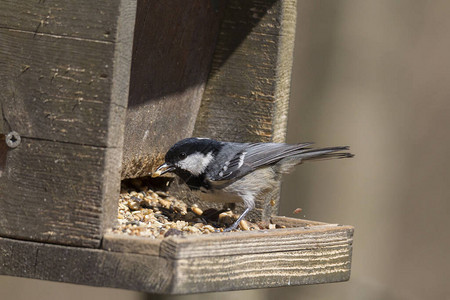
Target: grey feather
(284, 156)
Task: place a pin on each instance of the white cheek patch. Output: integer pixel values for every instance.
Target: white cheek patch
(195, 163)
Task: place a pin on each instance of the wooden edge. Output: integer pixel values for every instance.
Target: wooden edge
(294, 222)
(306, 235)
(253, 242)
(262, 270)
(131, 244)
(94, 267)
(156, 274)
(117, 111)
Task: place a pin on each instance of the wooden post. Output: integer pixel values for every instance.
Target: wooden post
(64, 86)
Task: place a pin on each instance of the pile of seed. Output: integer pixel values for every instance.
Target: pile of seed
(158, 214)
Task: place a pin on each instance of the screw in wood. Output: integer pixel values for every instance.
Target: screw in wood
(12, 139)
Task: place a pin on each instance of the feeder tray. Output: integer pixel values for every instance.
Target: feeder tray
(94, 92)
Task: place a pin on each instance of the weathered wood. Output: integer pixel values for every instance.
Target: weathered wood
(171, 61)
(57, 88)
(131, 244)
(293, 222)
(247, 94)
(84, 266)
(286, 268)
(64, 90)
(94, 20)
(3, 125)
(53, 192)
(271, 258)
(235, 243)
(215, 262)
(3, 151)
(221, 243)
(252, 242)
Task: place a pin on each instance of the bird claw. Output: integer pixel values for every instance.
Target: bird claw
(232, 227)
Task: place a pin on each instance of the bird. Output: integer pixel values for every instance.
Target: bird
(232, 172)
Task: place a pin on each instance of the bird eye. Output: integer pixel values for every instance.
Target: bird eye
(182, 155)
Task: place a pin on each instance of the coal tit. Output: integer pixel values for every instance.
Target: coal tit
(233, 172)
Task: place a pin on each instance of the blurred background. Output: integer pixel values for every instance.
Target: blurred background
(374, 75)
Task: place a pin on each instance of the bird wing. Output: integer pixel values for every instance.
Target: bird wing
(254, 156)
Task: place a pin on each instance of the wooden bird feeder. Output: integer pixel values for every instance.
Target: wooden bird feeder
(92, 92)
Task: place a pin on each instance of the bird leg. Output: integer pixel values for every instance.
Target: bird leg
(236, 223)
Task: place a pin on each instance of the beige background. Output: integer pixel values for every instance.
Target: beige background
(374, 75)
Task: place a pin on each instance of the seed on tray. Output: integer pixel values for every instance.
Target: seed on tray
(157, 214)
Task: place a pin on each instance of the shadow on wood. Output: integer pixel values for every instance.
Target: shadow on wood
(170, 67)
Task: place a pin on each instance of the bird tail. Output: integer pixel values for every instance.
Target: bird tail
(288, 163)
(325, 153)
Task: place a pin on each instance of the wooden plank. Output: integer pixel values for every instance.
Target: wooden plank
(57, 88)
(85, 266)
(286, 268)
(215, 271)
(171, 61)
(294, 222)
(65, 92)
(247, 94)
(310, 235)
(254, 242)
(66, 82)
(87, 19)
(54, 192)
(228, 243)
(131, 244)
(3, 125)
(169, 247)
(3, 151)
(119, 99)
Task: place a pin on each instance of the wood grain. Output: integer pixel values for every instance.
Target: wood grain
(53, 192)
(231, 243)
(3, 151)
(64, 90)
(57, 88)
(66, 81)
(247, 93)
(3, 125)
(171, 61)
(131, 244)
(256, 242)
(85, 266)
(294, 222)
(95, 20)
(314, 253)
(126, 263)
(205, 263)
(225, 273)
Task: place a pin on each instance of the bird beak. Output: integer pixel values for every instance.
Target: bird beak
(160, 171)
